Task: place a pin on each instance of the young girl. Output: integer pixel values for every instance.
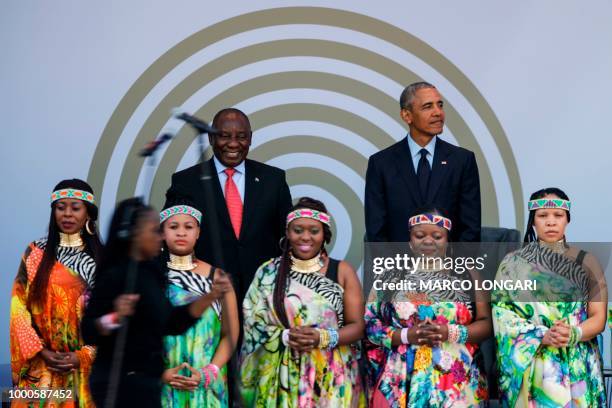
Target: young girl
(196, 374)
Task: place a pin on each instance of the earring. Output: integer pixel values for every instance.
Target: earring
(88, 228)
(280, 243)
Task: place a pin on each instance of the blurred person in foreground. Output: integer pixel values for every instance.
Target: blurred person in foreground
(134, 242)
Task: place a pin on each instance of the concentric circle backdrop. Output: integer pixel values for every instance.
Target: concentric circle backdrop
(321, 88)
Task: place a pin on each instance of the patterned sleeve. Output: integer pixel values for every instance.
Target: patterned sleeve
(377, 331)
(518, 339)
(25, 342)
(86, 356)
(262, 348)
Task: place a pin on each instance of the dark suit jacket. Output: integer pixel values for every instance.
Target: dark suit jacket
(266, 203)
(392, 192)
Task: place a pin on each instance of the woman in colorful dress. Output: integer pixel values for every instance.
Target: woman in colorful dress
(49, 296)
(303, 317)
(195, 361)
(547, 353)
(423, 344)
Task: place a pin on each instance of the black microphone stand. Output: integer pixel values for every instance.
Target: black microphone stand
(130, 279)
(207, 176)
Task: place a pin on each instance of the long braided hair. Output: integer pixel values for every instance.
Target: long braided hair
(280, 284)
(93, 245)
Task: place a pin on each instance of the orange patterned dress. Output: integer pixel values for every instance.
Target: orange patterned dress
(56, 326)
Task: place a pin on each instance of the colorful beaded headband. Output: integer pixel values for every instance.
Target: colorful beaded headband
(73, 193)
(180, 209)
(432, 219)
(549, 203)
(308, 213)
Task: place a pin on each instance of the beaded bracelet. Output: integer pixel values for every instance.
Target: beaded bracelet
(457, 333)
(463, 334)
(206, 376)
(575, 335)
(578, 334)
(453, 333)
(328, 339)
(323, 338)
(334, 337)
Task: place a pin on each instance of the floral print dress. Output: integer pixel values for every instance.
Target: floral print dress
(530, 374)
(273, 376)
(197, 346)
(410, 375)
(54, 325)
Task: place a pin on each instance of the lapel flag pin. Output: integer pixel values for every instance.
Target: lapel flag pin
(443, 162)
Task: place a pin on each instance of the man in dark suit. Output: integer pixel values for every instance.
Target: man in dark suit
(421, 170)
(250, 199)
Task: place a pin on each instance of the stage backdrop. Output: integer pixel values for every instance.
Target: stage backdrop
(85, 86)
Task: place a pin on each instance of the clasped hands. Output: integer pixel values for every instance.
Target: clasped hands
(428, 333)
(172, 377)
(303, 338)
(59, 362)
(558, 335)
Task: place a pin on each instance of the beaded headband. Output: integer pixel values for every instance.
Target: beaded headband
(432, 219)
(180, 209)
(549, 203)
(308, 213)
(73, 193)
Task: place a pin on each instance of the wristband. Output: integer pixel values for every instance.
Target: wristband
(109, 321)
(463, 334)
(457, 333)
(208, 374)
(578, 334)
(404, 336)
(453, 333)
(324, 338)
(575, 336)
(334, 337)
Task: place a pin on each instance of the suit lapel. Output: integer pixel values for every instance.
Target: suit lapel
(439, 168)
(251, 186)
(406, 170)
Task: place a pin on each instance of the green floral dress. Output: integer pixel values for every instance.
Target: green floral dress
(273, 377)
(197, 346)
(530, 374)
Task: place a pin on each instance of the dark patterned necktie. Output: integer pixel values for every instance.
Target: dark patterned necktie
(423, 173)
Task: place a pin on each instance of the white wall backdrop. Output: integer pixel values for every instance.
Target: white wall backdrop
(542, 66)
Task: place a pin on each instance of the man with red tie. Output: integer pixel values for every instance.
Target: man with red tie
(250, 201)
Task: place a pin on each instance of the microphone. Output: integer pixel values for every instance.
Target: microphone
(153, 145)
(197, 124)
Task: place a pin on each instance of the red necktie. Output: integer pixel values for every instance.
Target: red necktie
(233, 201)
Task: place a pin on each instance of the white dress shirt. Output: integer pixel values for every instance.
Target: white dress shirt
(415, 151)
